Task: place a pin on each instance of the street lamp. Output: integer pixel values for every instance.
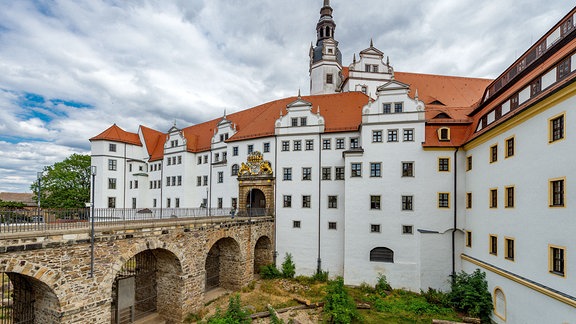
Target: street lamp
(93, 172)
(39, 176)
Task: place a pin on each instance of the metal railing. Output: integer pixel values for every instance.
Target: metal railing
(25, 220)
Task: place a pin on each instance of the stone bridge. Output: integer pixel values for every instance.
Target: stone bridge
(164, 268)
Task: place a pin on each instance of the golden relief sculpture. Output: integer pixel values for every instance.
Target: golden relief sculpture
(256, 165)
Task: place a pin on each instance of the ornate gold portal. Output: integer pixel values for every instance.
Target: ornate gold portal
(256, 187)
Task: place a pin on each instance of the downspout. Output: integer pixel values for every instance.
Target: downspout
(124, 186)
(319, 260)
(275, 253)
(453, 276)
(209, 202)
(161, 185)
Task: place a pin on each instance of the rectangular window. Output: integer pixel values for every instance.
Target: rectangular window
(306, 173)
(556, 188)
(297, 146)
(309, 145)
(338, 173)
(111, 183)
(112, 147)
(398, 107)
(169, 161)
(235, 150)
(374, 228)
(326, 173)
(306, 201)
(509, 248)
(205, 158)
(112, 165)
(509, 147)
(179, 159)
(250, 148)
(331, 225)
(205, 180)
(224, 156)
(408, 135)
(198, 181)
(509, 198)
(392, 135)
(234, 202)
(443, 200)
(407, 169)
(377, 136)
(329, 78)
(332, 201)
(130, 167)
(326, 144)
(556, 128)
(407, 229)
(493, 244)
(443, 164)
(199, 160)
(177, 202)
(303, 121)
(468, 238)
(287, 174)
(374, 202)
(296, 224)
(356, 169)
(493, 153)
(168, 201)
(494, 198)
(339, 143)
(285, 146)
(468, 200)
(219, 203)
(111, 202)
(287, 201)
(220, 176)
(266, 147)
(469, 163)
(354, 142)
(557, 260)
(386, 108)
(407, 202)
(154, 203)
(294, 121)
(375, 169)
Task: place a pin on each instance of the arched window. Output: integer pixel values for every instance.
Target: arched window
(327, 31)
(235, 169)
(499, 303)
(444, 134)
(321, 32)
(382, 254)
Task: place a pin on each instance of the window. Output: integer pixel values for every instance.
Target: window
(306, 201)
(509, 147)
(468, 200)
(205, 180)
(332, 201)
(234, 202)
(494, 198)
(112, 164)
(374, 68)
(135, 184)
(294, 121)
(112, 147)
(339, 143)
(306, 173)
(219, 203)
(339, 173)
(398, 107)
(392, 135)
(444, 134)
(198, 181)
(364, 89)
(509, 248)
(297, 146)
(557, 260)
(443, 164)
(329, 78)
(407, 202)
(331, 225)
(199, 160)
(354, 142)
(367, 67)
(509, 197)
(250, 148)
(493, 244)
(377, 136)
(469, 163)
(356, 169)
(235, 169)
(407, 169)
(111, 183)
(386, 108)
(224, 156)
(167, 181)
(408, 135)
(326, 144)
(374, 228)
(382, 254)
(303, 121)
(375, 169)
(287, 174)
(266, 147)
(556, 128)
(220, 176)
(168, 201)
(235, 150)
(556, 192)
(493, 153)
(374, 202)
(169, 161)
(443, 200)
(154, 203)
(111, 202)
(407, 229)
(216, 157)
(177, 202)
(285, 145)
(309, 145)
(326, 173)
(287, 201)
(296, 224)
(499, 304)
(205, 158)
(468, 238)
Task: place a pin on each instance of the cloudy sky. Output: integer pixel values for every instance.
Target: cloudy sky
(71, 68)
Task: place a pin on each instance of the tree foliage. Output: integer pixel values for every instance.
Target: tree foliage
(234, 314)
(470, 294)
(339, 307)
(65, 184)
(288, 267)
(11, 204)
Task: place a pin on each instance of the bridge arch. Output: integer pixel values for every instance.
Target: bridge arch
(263, 253)
(224, 265)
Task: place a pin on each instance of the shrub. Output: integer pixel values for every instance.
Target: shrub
(288, 267)
(269, 272)
(273, 318)
(339, 307)
(382, 285)
(321, 276)
(470, 294)
(437, 297)
(234, 314)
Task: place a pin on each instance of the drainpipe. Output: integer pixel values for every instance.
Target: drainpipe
(275, 253)
(209, 202)
(455, 215)
(319, 260)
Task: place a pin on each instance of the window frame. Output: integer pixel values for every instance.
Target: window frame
(444, 134)
(339, 173)
(407, 203)
(493, 153)
(556, 135)
(306, 174)
(468, 239)
(326, 173)
(443, 164)
(355, 169)
(286, 201)
(306, 201)
(112, 147)
(326, 144)
(285, 146)
(407, 229)
(509, 197)
(296, 224)
(469, 163)
(469, 200)
(309, 145)
(552, 193)
(509, 249)
(375, 202)
(332, 226)
(287, 174)
(493, 198)
(404, 170)
(444, 203)
(340, 144)
(297, 145)
(377, 136)
(509, 147)
(552, 264)
(408, 135)
(375, 228)
(375, 169)
(392, 135)
(332, 201)
(493, 244)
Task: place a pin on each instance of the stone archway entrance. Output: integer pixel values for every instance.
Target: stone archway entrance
(256, 187)
(223, 265)
(256, 202)
(263, 253)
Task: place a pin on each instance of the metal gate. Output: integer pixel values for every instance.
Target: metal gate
(135, 289)
(16, 300)
(212, 268)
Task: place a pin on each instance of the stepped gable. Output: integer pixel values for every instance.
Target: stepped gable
(117, 134)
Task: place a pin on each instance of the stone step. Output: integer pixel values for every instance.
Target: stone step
(153, 318)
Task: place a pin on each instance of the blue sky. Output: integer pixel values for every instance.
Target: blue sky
(71, 68)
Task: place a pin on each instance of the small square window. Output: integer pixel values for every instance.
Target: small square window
(407, 229)
(112, 147)
(444, 164)
(306, 201)
(408, 135)
(297, 145)
(374, 228)
(338, 173)
(306, 173)
(287, 174)
(285, 146)
(331, 225)
(374, 202)
(392, 135)
(296, 224)
(407, 169)
(326, 173)
(377, 136)
(356, 169)
(332, 201)
(443, 200)
(407, 202)
(398, 107)
(556, 128)
(354, 142)
(287, 201)
(309, 145)
(329, 78)
(266, 147)
(326, 144)
(375, 169)
(386, 108)
(444, 134)
(294, 121)
(250, 148)
(339, 143)
(303, 121)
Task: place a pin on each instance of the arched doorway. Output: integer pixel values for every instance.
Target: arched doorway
(145, 285)
(223, 265)
(256, 202)
(263, 253)
(24, 299)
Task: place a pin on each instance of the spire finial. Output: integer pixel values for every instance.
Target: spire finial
(318, 110)
(174, 123)
(280, 112)
(299, 96)
(354, 60)
(326, 3)
(224, 113)
(371, 42)
(416, 94)
(388, 60)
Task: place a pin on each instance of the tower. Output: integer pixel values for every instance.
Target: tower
(325, 57)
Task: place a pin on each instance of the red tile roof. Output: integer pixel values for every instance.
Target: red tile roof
(117, 134)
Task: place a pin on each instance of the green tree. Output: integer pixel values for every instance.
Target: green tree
(288, 267)
(65, 184)
(339, 307)
(11, 204)
(470, 294)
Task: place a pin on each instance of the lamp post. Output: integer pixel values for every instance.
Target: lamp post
(39, 176)
(93, 172)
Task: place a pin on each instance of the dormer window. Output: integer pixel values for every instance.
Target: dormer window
(367, 67)
(364, 89)
(303, 121)
(294, 122)
(398, 107)
(174, 143)
(444, 134)
(216, 157)
(330, 51)
(112, 148)
(374, 68)
(387, 108)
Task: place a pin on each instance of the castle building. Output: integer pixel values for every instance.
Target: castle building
(413, 176)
